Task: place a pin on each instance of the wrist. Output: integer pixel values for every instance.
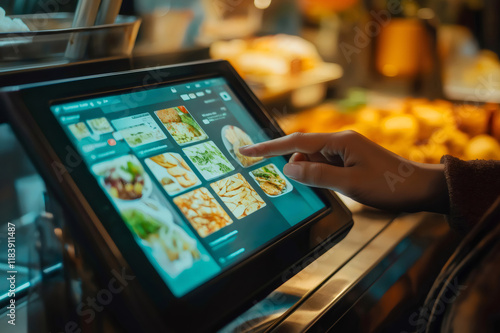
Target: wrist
(434, 189)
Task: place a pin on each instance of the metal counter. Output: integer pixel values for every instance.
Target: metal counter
(357, 276)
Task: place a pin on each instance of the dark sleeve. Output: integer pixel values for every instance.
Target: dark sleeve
(473, 186)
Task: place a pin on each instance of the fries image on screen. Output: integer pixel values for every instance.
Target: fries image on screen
(203, 211)
(238, 195)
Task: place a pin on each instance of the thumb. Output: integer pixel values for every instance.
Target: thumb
(318, 174)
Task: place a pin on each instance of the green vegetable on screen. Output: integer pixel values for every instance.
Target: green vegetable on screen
(187, 119)
(132, 169)
(223, 168)
(142, 224)
(265, 172)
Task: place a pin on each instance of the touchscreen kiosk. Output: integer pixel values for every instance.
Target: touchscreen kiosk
(149, 161)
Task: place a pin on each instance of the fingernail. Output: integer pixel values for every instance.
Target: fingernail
(293, 170)
(293, 157)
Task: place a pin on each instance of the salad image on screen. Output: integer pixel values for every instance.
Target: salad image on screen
(234, 138)
(124, 178)
(271, 180)
(203, 211)
(173, 249)
(208, 159)
(79, 130)
(173, 173)
(238, 195)
(139, 129)
(181, 125)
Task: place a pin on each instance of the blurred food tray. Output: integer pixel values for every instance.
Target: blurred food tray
(275, 86)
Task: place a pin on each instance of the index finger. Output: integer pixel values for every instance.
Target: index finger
(307, 143)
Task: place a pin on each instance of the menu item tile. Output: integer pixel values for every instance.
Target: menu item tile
(234, 138)
(124, 178)
(79, 130)
(237, 194)
(203, 211)
(181, 125)
(173, 173)
(100, 125)
(271, 180)
(208, 159)
(139, 130)
(173, 249)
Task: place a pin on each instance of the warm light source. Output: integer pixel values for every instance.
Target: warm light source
(390, 70)
(262, 4)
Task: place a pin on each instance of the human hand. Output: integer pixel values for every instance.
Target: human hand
(349, 163)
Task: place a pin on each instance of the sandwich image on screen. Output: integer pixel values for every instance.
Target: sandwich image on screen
(181, 125)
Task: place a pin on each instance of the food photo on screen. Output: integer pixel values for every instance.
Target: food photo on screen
(238, 195)
(79, 130)
(139, 129)
(124, 178)
(234, 138)
(208, 159)
(100, 125)
(203, 211)
(170, 245)
(181, 125)
(172, 172)
(271, 180)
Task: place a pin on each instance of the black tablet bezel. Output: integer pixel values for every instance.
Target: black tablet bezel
(224, 296)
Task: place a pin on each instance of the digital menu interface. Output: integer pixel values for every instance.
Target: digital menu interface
(168, 158)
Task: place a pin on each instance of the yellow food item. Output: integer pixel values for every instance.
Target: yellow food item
(165, 160)
(415, 128)
(403, 127)
(431, 118)
(178, 169)
(472, 119)
(241, 199)
(187, 180)
(203, 211)
(483, 147)
(269, 180)
(270, 189)
(453, 139)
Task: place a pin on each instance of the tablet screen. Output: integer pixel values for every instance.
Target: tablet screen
(168, 159)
